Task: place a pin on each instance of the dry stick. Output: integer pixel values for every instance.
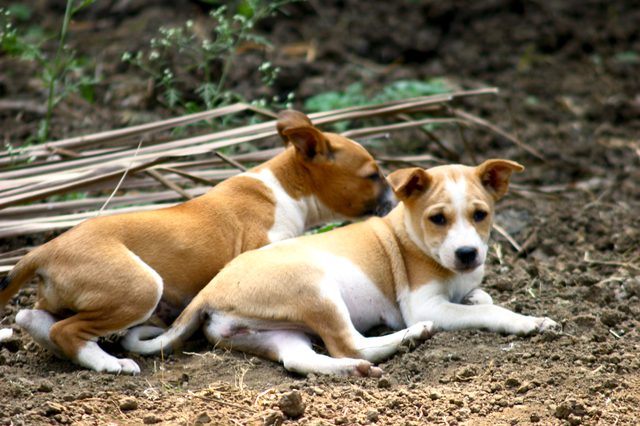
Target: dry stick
(508, 237)
(628, 265)
(397, 126)
(451, 154)
(124, 175)
(493, 128)
(166, 182)
(190, 176)
(247, 133)
(467, 145)
(230, 161)
(111, 136)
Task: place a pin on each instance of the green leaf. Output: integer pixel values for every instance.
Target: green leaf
(21, 11)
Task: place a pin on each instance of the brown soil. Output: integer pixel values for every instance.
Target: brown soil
(570, 89)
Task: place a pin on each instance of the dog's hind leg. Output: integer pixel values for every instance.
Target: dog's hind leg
(126, 297)
(38, 323)
(294, 349)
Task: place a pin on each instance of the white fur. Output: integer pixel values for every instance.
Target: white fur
(5, 334)
(462, 233)
(292, 216)
(93, 357)
(433, 302)
(156, 278)
(366, 305)
(38, 324)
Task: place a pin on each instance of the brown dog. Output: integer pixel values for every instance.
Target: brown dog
(110, 273)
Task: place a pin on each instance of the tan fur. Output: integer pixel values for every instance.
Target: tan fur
(89, 271)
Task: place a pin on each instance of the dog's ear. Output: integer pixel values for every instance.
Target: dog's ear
(409, 183)
(294, 127)
(495, 174)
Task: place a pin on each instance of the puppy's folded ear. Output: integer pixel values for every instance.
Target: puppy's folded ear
(294, 127)
(409, 183)
(495, 174)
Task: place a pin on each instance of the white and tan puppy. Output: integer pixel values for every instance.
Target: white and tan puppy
(110, 273)
(412, 270)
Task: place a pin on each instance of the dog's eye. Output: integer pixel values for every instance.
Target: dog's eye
(479, 215)
(374, 176)
(438, 219)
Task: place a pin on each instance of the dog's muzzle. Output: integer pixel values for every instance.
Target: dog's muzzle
(386, 202)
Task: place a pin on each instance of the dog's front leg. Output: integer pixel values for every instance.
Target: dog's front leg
(453, 316)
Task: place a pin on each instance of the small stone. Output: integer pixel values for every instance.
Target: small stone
(534, 418)
(203, 418)
(512, 382)
(45, 386)
(317, 391)
(373, 415)
(291, 404)
(384, 383)
(435, 395)
(273, 419)
(128, 404)
(52, 408)
(151, 419)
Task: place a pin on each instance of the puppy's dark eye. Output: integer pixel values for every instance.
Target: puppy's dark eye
(479, 215)
(374, 177)
(438, 219)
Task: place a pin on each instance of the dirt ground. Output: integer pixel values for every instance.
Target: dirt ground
(569, 80)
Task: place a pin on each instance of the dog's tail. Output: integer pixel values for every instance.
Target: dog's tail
(19, 275)
(147, 340)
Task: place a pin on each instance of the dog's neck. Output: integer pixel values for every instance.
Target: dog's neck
(297, 208)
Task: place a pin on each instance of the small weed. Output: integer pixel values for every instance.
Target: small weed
(355, 95)
(191, 67)
(61, 75)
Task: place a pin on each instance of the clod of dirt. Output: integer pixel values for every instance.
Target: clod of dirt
(291, 404)
(570, 409)
(610, 318)
(128, 404)
(385, 383)
(203, 418)
(52, 408)
(151, 419)
(373, 415)
(512, 382)
(273, 419)
(45, 386)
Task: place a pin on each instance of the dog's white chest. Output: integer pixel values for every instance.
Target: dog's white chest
(367, 306)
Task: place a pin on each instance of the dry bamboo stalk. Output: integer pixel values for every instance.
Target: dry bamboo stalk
(169, 184)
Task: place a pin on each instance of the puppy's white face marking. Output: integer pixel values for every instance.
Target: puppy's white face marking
(292, 216)
(452, 221)
(462, 233)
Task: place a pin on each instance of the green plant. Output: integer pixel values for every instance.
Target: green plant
(185, 60)
(355, 95)
(61, 75)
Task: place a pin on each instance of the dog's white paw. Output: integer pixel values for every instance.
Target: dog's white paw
(477, 297)
(530, 325)
(94, 357)
(419, 331)
(128, 366)
(366, 369)
(546, 324)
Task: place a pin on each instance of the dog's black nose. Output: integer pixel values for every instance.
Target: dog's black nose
(467, 255)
